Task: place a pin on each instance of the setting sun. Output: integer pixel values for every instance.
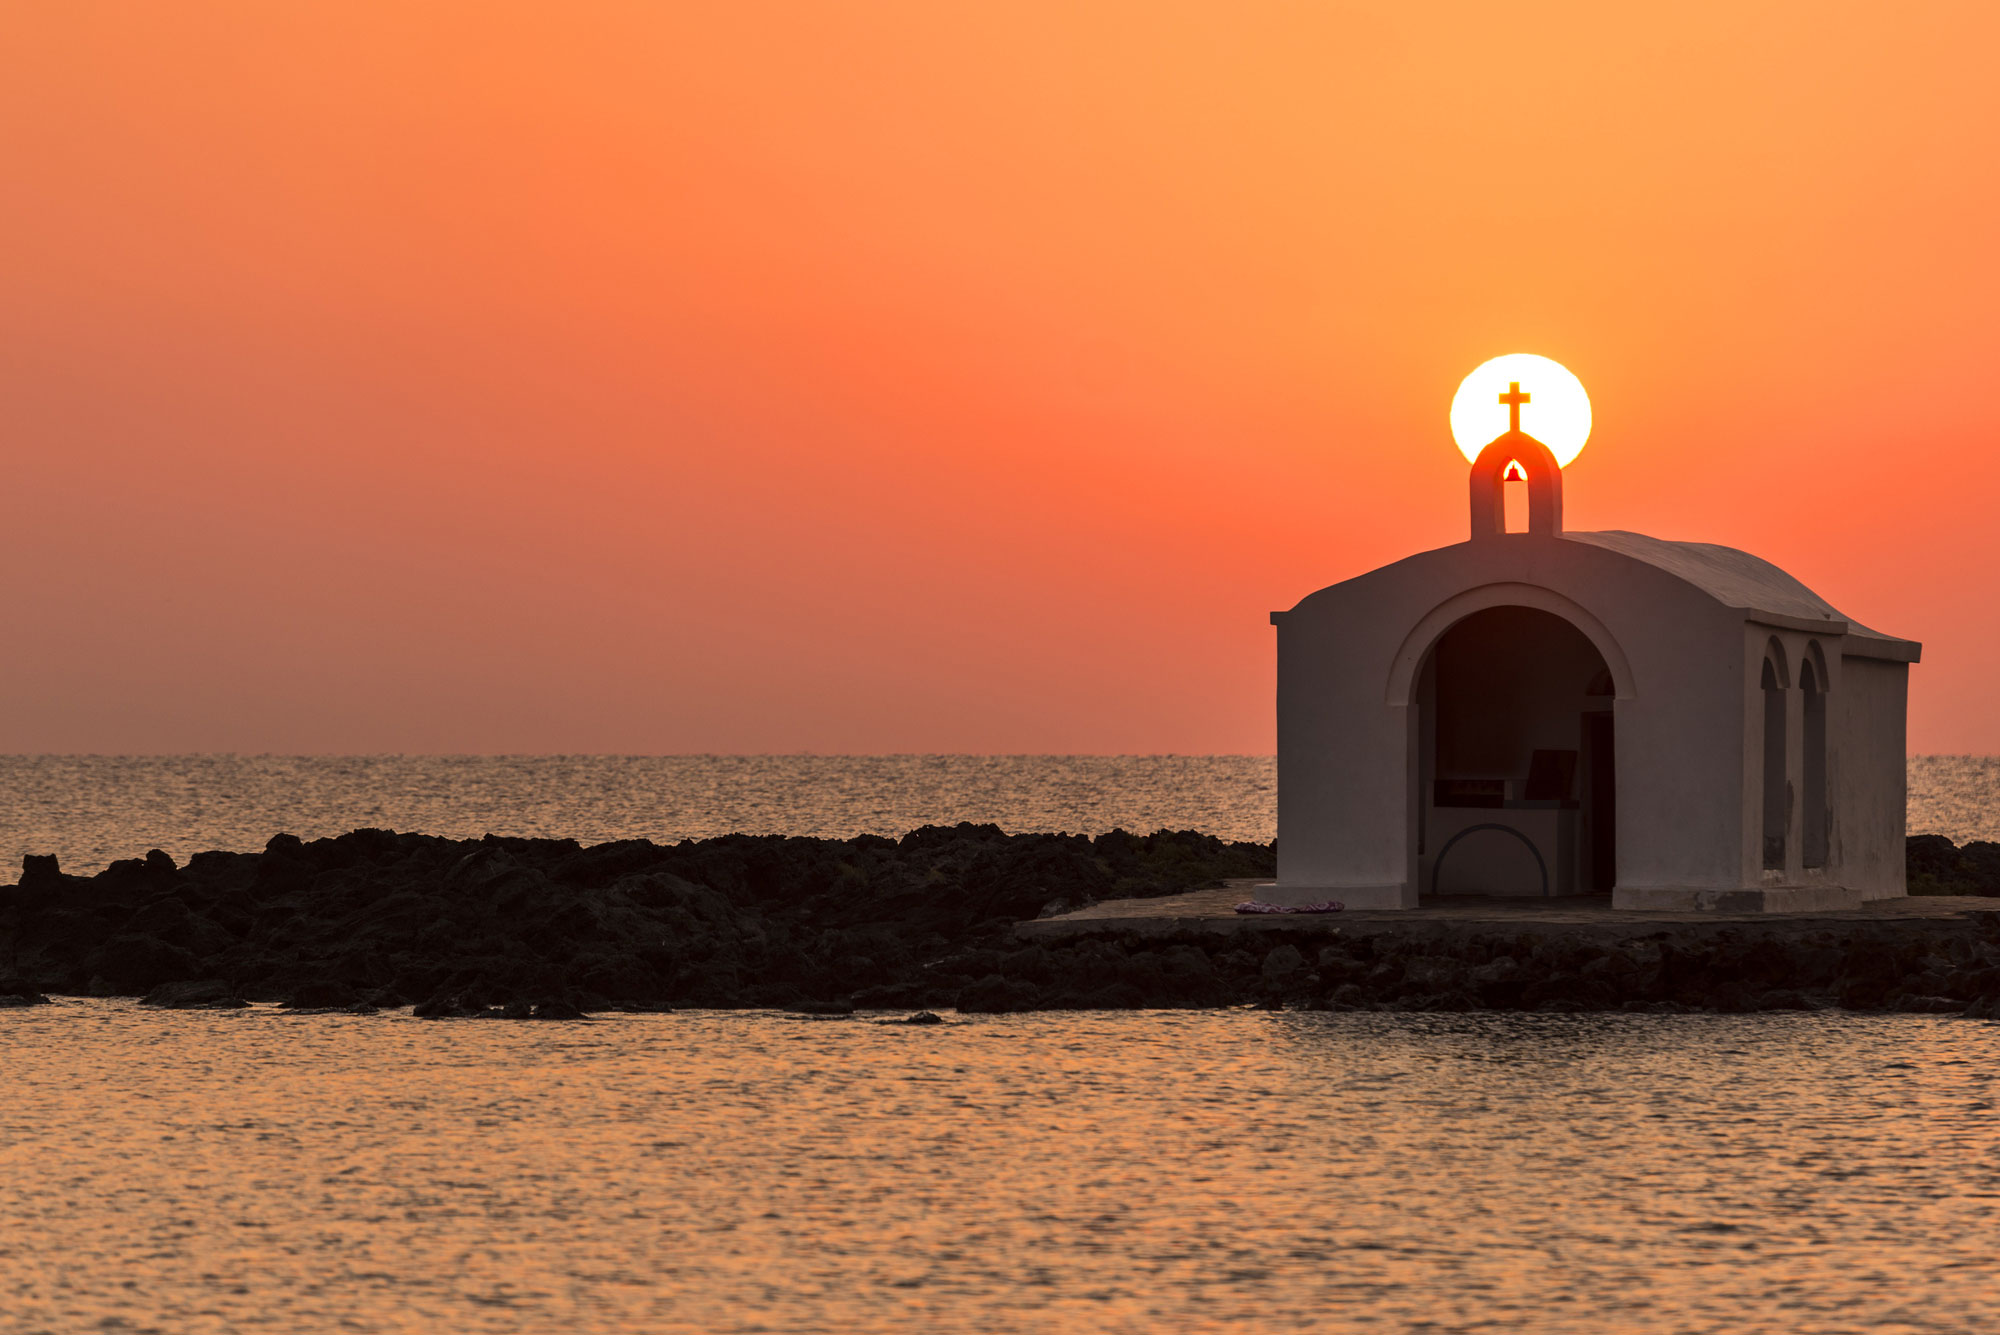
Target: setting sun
(1556, 411)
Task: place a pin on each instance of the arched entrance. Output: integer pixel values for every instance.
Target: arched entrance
(1515, 750)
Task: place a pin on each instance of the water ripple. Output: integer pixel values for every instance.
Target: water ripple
(735, 1172)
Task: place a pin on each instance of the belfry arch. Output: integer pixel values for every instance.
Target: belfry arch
(1537, 466)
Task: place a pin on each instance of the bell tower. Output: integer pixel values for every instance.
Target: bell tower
(1516, 455)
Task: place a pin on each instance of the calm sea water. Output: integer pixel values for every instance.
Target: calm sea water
(1156, 1172)
(91, 809)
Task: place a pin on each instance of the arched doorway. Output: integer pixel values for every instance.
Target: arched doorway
(1516, 759)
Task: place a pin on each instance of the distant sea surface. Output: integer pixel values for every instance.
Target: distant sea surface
(89, 810)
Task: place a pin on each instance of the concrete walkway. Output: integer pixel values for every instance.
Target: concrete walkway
(1213, 911)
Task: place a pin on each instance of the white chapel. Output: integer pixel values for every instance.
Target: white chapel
(1547, 714)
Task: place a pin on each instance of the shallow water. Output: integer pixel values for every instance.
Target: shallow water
(1152, 1171)
(89, 810)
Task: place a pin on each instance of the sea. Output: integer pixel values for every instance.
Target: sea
(90, 810)
(1152, 1171)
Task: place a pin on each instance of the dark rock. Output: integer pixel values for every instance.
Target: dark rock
(15, 992)
(1444, 1002)
(1926, 1005)
(1499, 983)
(1121, 995)
(921, 1017)
(994, 994)
(1982, 864)
(1434, 974)
(1569, 992)
(322, 996)
(838, 1007)
(1384, 978)
(1055, 908)
(1936, 866)
(1282, 963)
(207, 994)
(1932, 866)
(446, 1005)
(472, 926)
(558, 1010)
(135, 964)
(1862, 996)
(167, 919)
(1731, 998)
(897, 996)
(1611, 966)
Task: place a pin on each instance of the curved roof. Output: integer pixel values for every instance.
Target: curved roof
(1748, 583)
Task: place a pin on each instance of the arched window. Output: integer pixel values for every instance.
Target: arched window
(1815, 818)
(1777, 793)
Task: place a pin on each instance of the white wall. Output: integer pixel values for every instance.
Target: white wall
(1347, 745)
(1869, 775)
(1866, 771)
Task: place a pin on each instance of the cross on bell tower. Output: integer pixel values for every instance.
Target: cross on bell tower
(1516, 457)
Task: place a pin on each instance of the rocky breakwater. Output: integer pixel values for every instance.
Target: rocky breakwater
(546, 929)
(1939, 965)
(534, 928)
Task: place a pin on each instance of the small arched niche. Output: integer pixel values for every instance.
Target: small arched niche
(1816, 816)
(1777, 790)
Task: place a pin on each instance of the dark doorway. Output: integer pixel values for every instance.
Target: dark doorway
(1514, 759)
(1600, 800)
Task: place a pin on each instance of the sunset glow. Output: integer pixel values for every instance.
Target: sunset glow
(898, 376)
(1557, 412)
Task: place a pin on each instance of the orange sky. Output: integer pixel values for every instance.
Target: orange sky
(507, 376)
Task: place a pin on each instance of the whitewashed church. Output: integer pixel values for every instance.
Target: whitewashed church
(1545, 714)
